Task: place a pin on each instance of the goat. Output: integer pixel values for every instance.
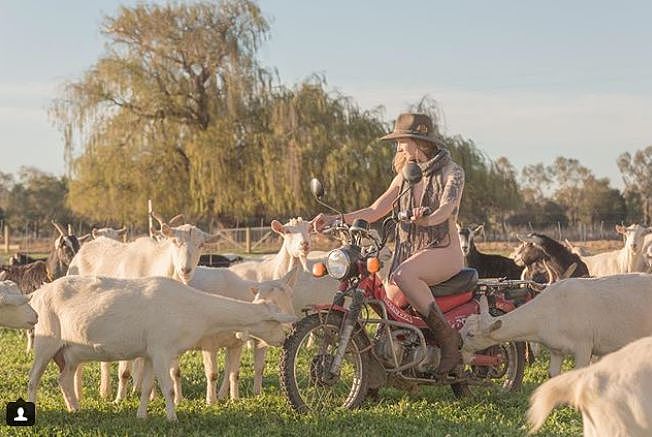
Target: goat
(103, 319)
(28, 277)
(578, 316)
(614, 399)
(487, 265)
(307, 291)
(561, 261)
(114, 234)
(21, 258)
(66, 247)
(175, 256)
(295, 248)
(214, 260)
(15, 311)
(628, 259)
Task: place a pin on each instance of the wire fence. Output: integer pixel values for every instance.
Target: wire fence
(262, 239)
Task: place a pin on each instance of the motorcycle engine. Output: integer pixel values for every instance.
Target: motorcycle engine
(407, 348)
(386, 348)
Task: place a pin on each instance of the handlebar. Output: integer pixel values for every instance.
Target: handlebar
(406, 216)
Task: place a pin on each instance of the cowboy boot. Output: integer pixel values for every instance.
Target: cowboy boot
(448, 339)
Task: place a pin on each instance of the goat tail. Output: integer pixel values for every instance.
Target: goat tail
(563, 389)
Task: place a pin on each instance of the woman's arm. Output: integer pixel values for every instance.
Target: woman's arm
(450, 199)
(380, 208)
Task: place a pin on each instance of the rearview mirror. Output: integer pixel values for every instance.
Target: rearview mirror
(316, 188)
(412, 172)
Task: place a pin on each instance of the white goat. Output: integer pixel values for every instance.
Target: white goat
(625, 260)
(175, 256)
(222, 281)
(113, 234)
(15, 311)
(295, 248)
(577, 316)
(614, 395)
(107, 319)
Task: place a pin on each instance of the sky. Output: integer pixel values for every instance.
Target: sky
(527, 80)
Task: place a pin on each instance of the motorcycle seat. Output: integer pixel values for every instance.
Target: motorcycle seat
(462, 282)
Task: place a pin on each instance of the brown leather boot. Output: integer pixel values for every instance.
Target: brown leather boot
(448, 339)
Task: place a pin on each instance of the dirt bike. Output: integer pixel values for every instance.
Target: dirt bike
(363, 341)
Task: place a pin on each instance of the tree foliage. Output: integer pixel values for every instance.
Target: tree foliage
(637, 175)
(180, 110)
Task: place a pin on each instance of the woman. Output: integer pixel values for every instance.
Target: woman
(426, 253)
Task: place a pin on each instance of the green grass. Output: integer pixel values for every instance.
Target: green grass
(433, 411)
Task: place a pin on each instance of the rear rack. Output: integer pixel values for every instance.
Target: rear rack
(511, 288)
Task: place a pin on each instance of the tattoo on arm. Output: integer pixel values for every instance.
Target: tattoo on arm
(454, 185)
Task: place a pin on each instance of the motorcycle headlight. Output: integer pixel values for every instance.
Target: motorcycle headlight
(338, 264)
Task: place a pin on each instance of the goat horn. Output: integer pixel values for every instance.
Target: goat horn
(59, 228)
(157, 218)
(177, 218)
(569, 271)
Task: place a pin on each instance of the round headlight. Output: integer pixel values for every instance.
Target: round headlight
(338, 264)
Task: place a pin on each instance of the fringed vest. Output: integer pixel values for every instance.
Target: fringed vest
(411, 238)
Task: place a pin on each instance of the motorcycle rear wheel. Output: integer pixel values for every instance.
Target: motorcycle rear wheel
(304, 366)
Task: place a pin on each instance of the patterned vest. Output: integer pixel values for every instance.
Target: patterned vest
(411, 238)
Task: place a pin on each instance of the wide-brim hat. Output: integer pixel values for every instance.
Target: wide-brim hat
(418, 126)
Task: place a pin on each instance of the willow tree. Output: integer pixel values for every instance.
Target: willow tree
(157, 114)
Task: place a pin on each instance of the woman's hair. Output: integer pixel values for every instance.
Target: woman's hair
(429, 150)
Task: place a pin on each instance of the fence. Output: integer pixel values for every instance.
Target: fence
(264, 240)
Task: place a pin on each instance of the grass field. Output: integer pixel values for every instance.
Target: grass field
(433, 411)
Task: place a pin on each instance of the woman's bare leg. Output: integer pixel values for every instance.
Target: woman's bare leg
(414, 276)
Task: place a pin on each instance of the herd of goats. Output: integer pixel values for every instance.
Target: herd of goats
(145, 302)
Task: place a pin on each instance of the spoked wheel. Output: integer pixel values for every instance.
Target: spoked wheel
(508, 375)
(308, 354)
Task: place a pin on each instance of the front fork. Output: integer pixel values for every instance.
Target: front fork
(349, 323)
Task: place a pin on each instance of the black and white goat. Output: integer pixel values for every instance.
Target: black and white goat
(487, 265)
(538, 249)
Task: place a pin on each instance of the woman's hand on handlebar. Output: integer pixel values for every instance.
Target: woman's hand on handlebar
(420, 215)
(322, 220)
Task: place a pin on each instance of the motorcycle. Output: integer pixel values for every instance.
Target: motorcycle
(363, 341)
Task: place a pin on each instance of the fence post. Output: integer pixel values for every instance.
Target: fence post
(6, 238)
(248, 239)
(149, 217)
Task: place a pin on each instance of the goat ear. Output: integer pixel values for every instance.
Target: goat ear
(167, 230)
(176, 220)
(93, 233)
(478, 229)
(569, 271)
(495, 325)
(83, 238)
(621, 229)
(278, 227)
(3, 275)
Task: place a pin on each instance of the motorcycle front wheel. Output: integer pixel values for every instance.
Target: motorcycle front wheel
(508, 376)
(308, 354)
